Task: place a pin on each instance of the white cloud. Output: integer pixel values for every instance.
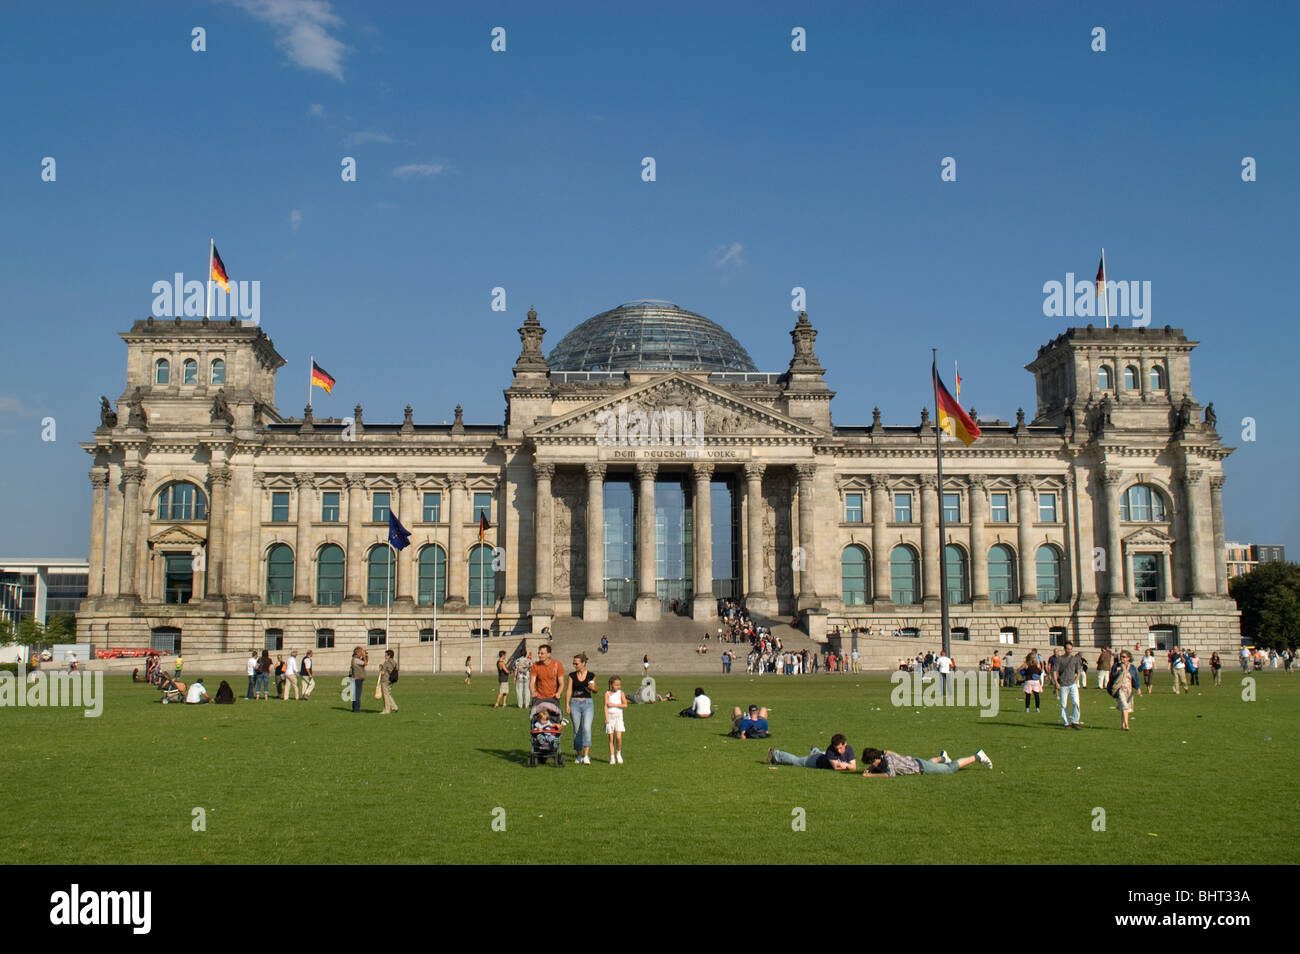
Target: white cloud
(316, 109)
(13, 405)
(728, 256)
(295, 219)
(302, 30)
(359, 138)
(420, 169)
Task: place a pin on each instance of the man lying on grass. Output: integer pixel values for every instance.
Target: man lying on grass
(839, 757)
(888, 764)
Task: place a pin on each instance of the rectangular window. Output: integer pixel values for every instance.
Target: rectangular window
(379, 508)
(1047, 508)
(952, 508)
(426, 635)
(324, 639)
(433, 508)
(329, 506)
(482, 507)
(280, 506)
(376, 637)
(853, 508)
(1000, 508)
(1146, 577)
(902, 508)
(273, 640)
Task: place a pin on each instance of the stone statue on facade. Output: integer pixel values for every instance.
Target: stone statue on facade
(221, 410)
(1209, 419)
(107, 416)
(136, 416)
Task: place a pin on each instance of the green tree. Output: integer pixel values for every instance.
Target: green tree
(1269, 600)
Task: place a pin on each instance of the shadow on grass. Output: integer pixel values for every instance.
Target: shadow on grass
(516, 756)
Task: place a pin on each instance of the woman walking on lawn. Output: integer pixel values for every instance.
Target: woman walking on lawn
(579, 704)
(503, 680)
(357, 672)
(1216, 665)
(1123, 685)
(1148, 667)
(468, 669)
(1033, 681)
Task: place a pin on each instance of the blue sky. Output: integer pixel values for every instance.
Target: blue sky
(522, 169)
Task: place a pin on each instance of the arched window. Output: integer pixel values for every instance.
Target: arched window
(1002, 574)
(1157, 378)
(482, 578)
(218, 375)
(1132, 378)
(1048, 561)
(1105, 380)
(955, 569)
(1142, 502)
(162, 371)
(329, 575)
(433, 576)
(189, 371)
(378, 575)
(854, 575)
(182, 501)
(279, 575)
(904, 576)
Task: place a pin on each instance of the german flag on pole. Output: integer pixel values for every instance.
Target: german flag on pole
(218, 272)
(483, 526)
(321, 378)
(953, 421)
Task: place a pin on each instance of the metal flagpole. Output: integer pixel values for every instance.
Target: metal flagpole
(207, 305)
(1105, 290)
(480, 603)
(311, 373)
(388, 605)
(943, 562)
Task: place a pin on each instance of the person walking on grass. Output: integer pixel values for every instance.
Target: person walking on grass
(1065, 676)
(1033, 681)
(308, 676)
(357, 673)
(469, 668)
(291, 678)
(1147, 668)
(503, 680)
(886, 764)
(523, 695)
(615, 704)
(262, 684)
(388, 676)
(252, 673)
(579, 704)
(1123, 685)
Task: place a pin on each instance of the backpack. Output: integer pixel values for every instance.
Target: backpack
(392, 676)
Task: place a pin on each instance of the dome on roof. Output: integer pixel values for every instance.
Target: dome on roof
(649, 336)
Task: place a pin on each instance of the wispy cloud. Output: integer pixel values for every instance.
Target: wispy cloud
(14, 405)
(316, 109)
(728, 256)
(295, 219)
(420, 169)
(359, 138)
(302, 30)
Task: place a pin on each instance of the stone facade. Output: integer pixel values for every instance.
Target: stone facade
(1106, 503)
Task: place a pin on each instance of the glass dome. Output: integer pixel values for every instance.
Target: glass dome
(649, 336)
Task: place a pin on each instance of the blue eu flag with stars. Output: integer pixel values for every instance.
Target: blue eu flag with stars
(398, 535)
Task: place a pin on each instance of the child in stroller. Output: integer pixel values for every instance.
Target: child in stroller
(547, 724)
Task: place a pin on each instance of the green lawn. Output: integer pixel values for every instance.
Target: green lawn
(1205, 778)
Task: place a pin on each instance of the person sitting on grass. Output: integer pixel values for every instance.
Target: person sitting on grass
(198, 694)
(225, 695)
(839, 757)
(751, 725)
(886, 764)
(700, 708)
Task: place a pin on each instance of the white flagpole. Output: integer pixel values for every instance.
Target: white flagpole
(311, 372)
(435, 611)
(207, 306)
(1105, 290)
(388, 606)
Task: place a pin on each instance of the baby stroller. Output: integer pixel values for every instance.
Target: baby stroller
(545, 735)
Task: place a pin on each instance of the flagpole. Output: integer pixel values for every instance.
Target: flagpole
(207, 304)
(1105, 290)
(943, 561)
(388, 605)
(311, 371)
(435, 610)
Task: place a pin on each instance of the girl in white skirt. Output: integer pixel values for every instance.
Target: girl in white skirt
(615, 703)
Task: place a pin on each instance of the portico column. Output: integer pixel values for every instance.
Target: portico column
(131, 477)
(1025, 538)
(754, 558)
(930, 542)
(1220, 545)
(405, 592)
(807, 592)
(704, 606)
(355, 591)
(544, 544)
(594, 606)
(302, 541)
(1110, 482)
(99, 481)
(647, 599)
(979, 552)
(882, 594)
(1167, 562)
(457, 568)
(1198, 580)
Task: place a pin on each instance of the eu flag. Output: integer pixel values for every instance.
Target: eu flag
(398, 535)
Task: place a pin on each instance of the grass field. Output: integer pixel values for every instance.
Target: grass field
(1205, 778)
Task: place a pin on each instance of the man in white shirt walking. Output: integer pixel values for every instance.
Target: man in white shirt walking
(291, 677)
(944, 665)
(252, 672)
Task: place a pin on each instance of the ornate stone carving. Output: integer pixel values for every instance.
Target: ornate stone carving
(132, 475)
(569, 532)
(530, 341)
(136, 416)
(1025, 481)
(458, 423)
(107, 416)
(1193, 476)
(879, 482)
(405, 482)
(355, 482)
(754, 470)
(646, 470)
(806, 472)
(220, 475)
(408, 420)
(875, 419)
(803, 336)
(1216, 483)
(778, 530)
(595, 471)
(543, 469)
(720, 420)
(98, 480)
(305, 481)
(1111, 476)
(220, 413)
(702, 471)
(1209, 418)
(929, 481)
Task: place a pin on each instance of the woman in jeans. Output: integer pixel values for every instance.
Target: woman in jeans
(262, 678)
(578, 704)
(357, 671)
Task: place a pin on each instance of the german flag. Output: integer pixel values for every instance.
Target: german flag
(952, 419)
(321, 378)
(218, 271)
(483, 526)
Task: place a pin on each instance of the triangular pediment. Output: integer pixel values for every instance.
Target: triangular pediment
(720, 415)
(176, 537)
(1148, 537)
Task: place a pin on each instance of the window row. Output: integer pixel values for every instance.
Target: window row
(273, 639)
(162, 371)
(999, 507)
(1157, 380)
(905, 575)
(380, 506)
(431, 585)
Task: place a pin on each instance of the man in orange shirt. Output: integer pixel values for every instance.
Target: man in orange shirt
(995, 664)
(546, 676)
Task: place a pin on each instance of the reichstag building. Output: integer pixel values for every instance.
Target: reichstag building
(646, 468)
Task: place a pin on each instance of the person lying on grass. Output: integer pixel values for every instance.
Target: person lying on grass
(749, 726)
(839, 757)
(887, 764)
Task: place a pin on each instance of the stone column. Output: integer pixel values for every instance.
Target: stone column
(98, 481)
(931, 546)
(131, 477)
(704, 606)
(543, 538)
(404, 591)
(594, 605)
(1145, 370)
(302, 549)
(219, 481)
(979, 551)
(1025, 513)
(754, 559)
(881, 593)
(807, 580)
(1167, 560)
(355, 591)
(1198, 580)
(457, 568)
(1220, 544)
(647, 598)
(1109, 483)
(113, 549)
(144, 524)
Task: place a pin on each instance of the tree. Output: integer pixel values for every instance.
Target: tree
(1269, 600)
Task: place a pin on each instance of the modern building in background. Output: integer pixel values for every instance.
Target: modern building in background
(646, 468)
(42, 587)
(1241, 558)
